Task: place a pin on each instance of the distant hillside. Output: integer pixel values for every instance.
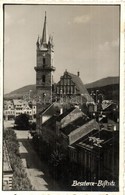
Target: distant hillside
(108, 86)
(103, 82)
(19, 93)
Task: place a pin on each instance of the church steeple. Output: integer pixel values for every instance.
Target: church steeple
(44, 40)
(44, 67)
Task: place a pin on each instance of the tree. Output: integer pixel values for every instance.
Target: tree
(22, 121)
(58, 164)
(20, 180)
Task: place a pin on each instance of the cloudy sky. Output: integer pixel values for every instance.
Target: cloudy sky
(86, 39)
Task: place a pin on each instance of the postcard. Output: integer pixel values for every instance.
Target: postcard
(62, 104)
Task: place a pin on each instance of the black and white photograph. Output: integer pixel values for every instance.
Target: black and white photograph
(61, 97)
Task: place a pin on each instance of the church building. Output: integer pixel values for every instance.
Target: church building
(71, 86)
(44, 68)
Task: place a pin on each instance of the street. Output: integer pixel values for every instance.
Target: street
(37, 171)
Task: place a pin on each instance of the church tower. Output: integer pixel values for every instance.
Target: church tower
(44, 68)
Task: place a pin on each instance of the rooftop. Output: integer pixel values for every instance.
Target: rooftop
(65, 113)
(81, 87)
(97, 140)
(19, 102)
(82, 131)
(75, 124)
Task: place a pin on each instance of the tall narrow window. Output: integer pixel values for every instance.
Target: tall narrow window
(43, 78)
(44, 61)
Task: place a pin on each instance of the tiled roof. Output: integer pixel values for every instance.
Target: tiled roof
(81, 87)
(96, 140)
(65, 113)
(83, 130)
(45, 108)
(19, 102)
(107, 105)
(74, 125)
(50, 121)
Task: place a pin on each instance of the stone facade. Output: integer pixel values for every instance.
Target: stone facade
(70, 88)
(44, 69)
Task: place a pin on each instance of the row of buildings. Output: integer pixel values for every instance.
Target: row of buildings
(15, 107)
(90, 144)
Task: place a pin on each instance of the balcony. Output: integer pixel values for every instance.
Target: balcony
(45, 67)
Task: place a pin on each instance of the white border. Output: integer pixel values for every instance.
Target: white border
(122, 93)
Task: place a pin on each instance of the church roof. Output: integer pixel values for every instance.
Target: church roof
(45, 32)
(80, 86)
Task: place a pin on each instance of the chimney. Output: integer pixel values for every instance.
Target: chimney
(78, 73)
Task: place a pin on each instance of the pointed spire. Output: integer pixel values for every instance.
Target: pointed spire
(45, 33)
(38, 42)
(50, 42)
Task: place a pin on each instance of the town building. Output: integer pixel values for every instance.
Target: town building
(97, 156)
(15, 107)
(9, 111)
(50, 129)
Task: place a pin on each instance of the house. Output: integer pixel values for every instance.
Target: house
(77, 129)
(15, 107)
(9, 112)
(97, 156)
(24, 107)
(53, 123)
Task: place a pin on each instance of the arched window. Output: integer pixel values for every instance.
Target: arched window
(44, 61)
(43, 78)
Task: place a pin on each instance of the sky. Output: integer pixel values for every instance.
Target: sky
(86, 39)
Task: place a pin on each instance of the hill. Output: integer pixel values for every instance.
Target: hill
(103, 82)
(21, 92)
(108, 86)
